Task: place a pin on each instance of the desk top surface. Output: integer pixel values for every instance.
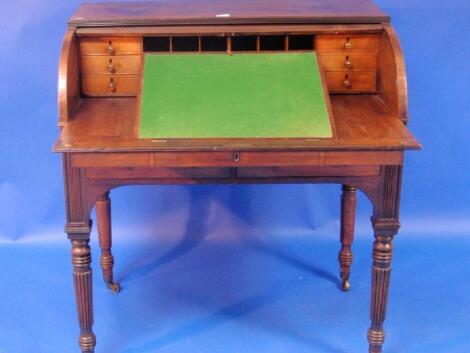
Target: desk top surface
(362, 122)
(176, 12)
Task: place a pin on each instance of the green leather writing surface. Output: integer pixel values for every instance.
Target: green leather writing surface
(270, 95)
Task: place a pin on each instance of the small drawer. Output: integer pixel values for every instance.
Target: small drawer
(348, 61)
(346, 43)
(354, 81)
(110, 85)
(110, 46)
(106, 64)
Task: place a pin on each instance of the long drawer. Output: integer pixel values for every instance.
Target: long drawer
(354, 81)
(107, 64)
(110, 85)
(172, 159)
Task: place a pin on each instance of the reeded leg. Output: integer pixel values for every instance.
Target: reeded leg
(386, 225)
(348, 216)
(82, 279)
(103, 215)
(381, 270)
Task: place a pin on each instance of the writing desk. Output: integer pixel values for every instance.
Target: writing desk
(103, 104)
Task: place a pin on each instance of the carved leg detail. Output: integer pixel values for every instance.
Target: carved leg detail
(348, 215)
(103, 215)
(381, 271)
(82, 278)
(386, 225)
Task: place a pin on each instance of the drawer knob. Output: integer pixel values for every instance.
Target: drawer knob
(110, 48)
(111, 67)
(348, 63)
(347, 83)
(348, 44)
(112, 86)
(237, 157)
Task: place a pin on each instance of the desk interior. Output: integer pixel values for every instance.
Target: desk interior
(249, 95)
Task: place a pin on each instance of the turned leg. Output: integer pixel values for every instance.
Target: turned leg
(103, 215)
(381, 270)
(348, 215)
(386, 225)
(82, 279)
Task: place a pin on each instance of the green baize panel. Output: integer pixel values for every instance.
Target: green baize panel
(252, 95)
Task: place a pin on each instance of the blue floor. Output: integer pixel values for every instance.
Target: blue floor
(243, 292)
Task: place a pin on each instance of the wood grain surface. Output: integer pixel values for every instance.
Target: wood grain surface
(227, 11)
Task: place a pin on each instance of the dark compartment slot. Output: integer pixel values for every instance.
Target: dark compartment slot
(214, 44)
(244, 43)
(301, 42)
(272, 43)
(159, 44)
(185, 44)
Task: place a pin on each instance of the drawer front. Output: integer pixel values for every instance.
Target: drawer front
(348, 61)
(354, 81)
(110, 85)
(315, 171)
(346, 43)
(299, 159)
(110, 46)
(157, 173)
(106, 64)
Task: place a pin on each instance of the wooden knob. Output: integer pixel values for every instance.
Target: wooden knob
(348, 63)
(237, 157)
(112, 86)
(347, 83)
(110, 48)
(348, 44)
(111, 67)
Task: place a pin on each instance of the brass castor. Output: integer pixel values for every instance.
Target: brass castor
(345, 286)
(115, 287)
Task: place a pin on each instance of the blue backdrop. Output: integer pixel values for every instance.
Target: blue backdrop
(288, 233)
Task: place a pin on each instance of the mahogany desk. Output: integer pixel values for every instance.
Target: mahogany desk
(100, 78)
